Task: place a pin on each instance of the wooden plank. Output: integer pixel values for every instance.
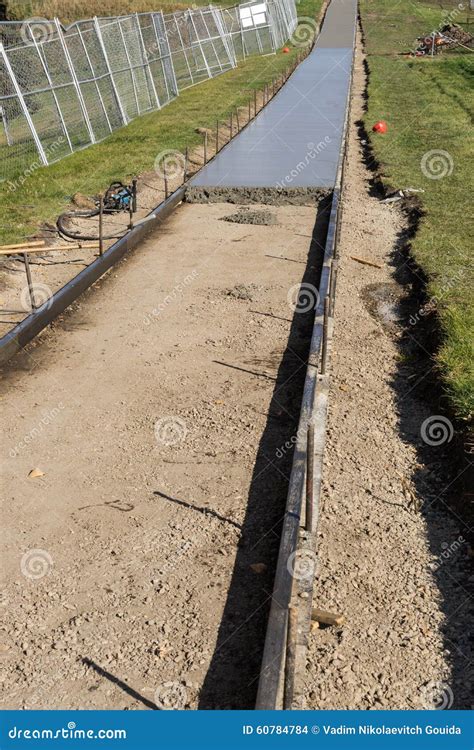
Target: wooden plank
(47, 249)
(36, 243)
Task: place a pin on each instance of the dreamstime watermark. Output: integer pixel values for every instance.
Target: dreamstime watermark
(36, 564)
(437, 164)
(447, 20)
(170, 164)
(170, 430)
(71, 732)
(13, 185)
(433, 303)
(42, 294)
(302, 565)
(447, 551)
(173, 560)
(436, 696)
(37, 29)
(171, 696)
(436, 430)
(303, 297)
(312, 153)
(305, 32)
(177, 292)
(47, 419)
(289, 444)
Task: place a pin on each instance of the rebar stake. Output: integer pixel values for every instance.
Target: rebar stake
(186, 160)
(290, 658)
(310, 478)
(134, 196)
(205, 147)
(250, 110)
(255, 101)
(332, 287)
(29, 280)
(217, 136)
(231, 127)
(165, 178)
(101, 225)
(237, 120)
(324, 352)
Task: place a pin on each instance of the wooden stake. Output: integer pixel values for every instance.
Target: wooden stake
(365, 262)
(327, 618)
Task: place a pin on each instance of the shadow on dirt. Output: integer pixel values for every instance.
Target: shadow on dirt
(232, 678)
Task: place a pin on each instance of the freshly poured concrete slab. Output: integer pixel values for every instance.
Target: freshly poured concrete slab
(295, 141)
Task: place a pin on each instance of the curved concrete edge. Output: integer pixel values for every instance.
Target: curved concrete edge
(25, 331)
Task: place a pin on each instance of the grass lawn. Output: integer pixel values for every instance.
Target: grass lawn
(428, 105)
(133, 149)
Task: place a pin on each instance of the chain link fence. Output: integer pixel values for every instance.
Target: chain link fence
(63, 89)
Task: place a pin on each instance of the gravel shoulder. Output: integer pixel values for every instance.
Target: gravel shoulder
(393, 556)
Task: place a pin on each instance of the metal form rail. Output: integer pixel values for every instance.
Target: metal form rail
(289, 624)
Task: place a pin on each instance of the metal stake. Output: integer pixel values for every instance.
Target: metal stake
(101, 222)
(324, 352)
(205, 147)
(332, 286)
(165, 178)
(231, 127)
(310, 479)
(217, 136)
(186, 158)
(250, 110)
(290, 658)
(237, 120)
(29, 280)
(134, 196)
(255, 101)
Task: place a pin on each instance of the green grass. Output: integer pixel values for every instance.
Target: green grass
(132, 150)
(428, 105)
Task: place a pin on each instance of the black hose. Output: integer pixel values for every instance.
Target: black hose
(60, 223)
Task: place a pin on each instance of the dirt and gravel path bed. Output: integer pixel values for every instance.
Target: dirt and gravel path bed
(393, 557)
(139, 566)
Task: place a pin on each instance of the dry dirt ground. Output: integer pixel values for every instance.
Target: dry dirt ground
(393, 557)
(53, 268)
(138, 568)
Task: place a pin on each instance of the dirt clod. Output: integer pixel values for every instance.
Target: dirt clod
(246, 216)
